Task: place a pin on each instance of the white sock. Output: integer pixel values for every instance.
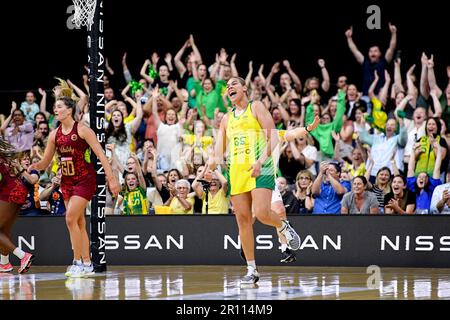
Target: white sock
(78, 262)
(19, 253)
(87, 264)
(283, 247)
(4, 259)
(251, 264)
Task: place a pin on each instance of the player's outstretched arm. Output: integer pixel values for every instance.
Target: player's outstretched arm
(301, 131)
(48, 154)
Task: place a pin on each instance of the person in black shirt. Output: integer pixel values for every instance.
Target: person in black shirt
(289, 200)
(375, 59)
(399, 201)
(289, 162)
(305, 201)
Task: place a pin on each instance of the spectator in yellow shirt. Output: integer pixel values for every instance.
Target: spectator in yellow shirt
(217, 193)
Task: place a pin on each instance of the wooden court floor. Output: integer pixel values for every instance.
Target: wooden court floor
(222, 283)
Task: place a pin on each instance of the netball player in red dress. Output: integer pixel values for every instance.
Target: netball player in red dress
(73, 141)
(13, 195)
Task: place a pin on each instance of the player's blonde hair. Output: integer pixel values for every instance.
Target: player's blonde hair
(64, 90)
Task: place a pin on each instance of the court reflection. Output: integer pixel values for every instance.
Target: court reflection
(222, 283)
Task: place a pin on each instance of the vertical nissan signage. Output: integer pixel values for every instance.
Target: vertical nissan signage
(96, 61)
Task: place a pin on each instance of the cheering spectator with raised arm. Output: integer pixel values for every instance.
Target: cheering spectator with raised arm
(29, 107)
(375, 60)
(120, 133)
(169, 132)
(428, 80)
(426, 161)
(18, 132)
(209, 94)
(379, 101)
(423, 185)
(323, 133)
(285, 79)
(384, 145)
(185, 71)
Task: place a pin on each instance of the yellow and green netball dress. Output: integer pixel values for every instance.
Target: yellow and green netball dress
(247, 142)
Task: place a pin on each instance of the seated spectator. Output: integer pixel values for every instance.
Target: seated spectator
(54, 197)
(328, 190)
(305, 200)
(217, 193)
(422, 185)
(440, 202)
(382, 185)
(399, 201)
(32, 206)
(154, 195)
(41, 136)
(289, 163)
(180, 201)
(20, 133)
(289, 200)
(134, 196)
(38, 118)
(359, 200)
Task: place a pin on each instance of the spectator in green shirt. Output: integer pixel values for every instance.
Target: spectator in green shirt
(208, 94)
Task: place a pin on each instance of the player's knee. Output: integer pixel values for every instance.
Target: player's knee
(263, 217)
(71, 220)
(261, 211)
(244, 220)
(81, 221)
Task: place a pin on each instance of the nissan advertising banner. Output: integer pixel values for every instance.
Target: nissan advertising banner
(386, 241)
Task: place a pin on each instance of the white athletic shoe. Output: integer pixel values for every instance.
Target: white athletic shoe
(88, 270)
(250, 279)
(291, 236)
(74, 271)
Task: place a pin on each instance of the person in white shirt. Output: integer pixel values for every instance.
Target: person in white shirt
(169, 133)
(385, 144)
(440, 202)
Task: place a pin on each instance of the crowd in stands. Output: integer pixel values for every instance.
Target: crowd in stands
(382, 146)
